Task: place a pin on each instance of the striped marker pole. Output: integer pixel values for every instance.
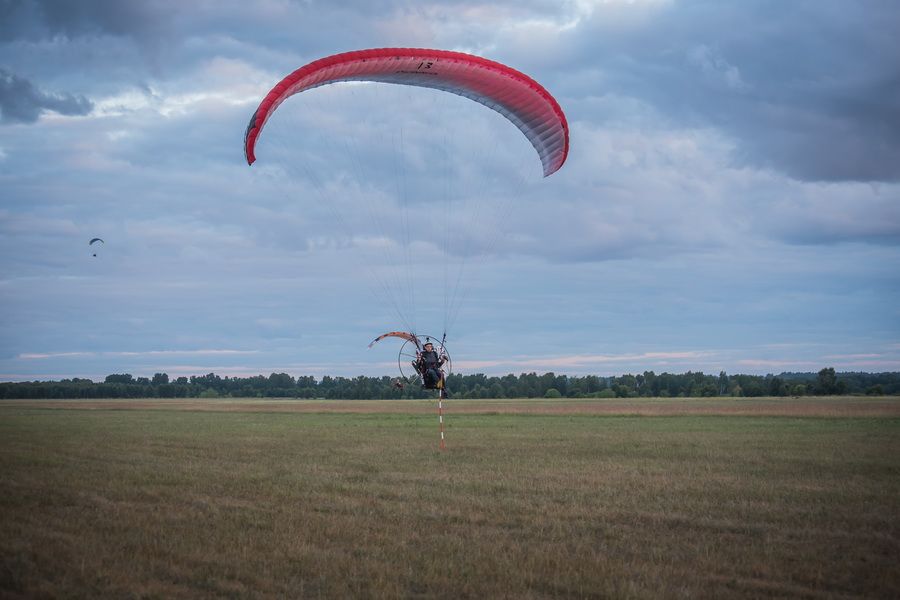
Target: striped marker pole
(441, 416)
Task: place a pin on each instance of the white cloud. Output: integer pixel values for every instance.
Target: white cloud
(714, 66)
(144, 353)
(38, 356)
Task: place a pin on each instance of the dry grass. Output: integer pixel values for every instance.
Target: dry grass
(306, 503)
(834, 406)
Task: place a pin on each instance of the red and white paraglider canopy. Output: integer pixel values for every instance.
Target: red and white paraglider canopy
(511, 93)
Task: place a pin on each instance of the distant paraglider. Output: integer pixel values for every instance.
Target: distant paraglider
(92, 242)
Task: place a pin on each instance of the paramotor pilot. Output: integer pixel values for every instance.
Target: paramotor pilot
(428, 364)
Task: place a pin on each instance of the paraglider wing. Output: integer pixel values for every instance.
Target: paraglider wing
(516, 96)
(398, 334)
(91, 243)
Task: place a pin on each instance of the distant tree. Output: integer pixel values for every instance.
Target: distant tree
(722, 383)
(777, 387)
(650, 386)
(754, 389)
(826, 382)
(464, 386)
(210, 380)
(280, 380)
(562, 384)
(627, 385)
(707, 390)
(624, 391)
(592, 384)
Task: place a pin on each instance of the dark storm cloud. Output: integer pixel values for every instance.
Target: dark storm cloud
(22, 102)
(40, 19)
(811, 89)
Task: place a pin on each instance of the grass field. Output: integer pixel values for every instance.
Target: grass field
(630, 499)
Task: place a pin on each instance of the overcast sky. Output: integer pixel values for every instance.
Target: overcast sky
(731, 199)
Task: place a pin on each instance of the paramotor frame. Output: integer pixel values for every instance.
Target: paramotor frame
(409, 354)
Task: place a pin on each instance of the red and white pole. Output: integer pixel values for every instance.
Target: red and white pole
(441, 416)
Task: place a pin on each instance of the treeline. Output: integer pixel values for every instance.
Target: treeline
(525, 385)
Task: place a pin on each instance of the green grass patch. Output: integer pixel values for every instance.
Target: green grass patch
(183, 504)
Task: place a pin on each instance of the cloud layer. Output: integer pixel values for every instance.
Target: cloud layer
(731, 199)
(22, 102)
